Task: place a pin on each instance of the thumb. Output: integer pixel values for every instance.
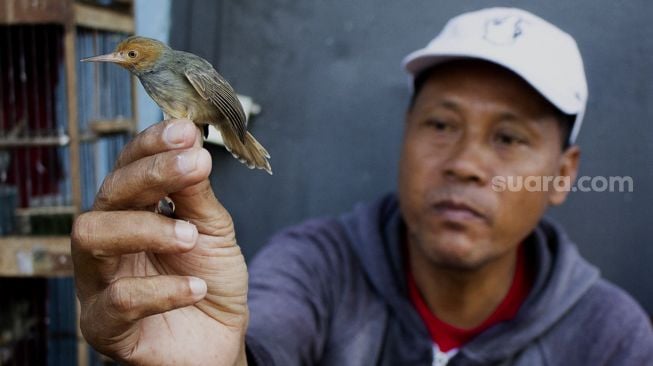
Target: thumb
(198, 204)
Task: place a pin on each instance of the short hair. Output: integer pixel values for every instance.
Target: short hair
(565, 121)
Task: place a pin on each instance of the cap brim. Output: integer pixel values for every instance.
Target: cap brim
(421, 60)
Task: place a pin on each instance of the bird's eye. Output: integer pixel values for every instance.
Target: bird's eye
(132, 54)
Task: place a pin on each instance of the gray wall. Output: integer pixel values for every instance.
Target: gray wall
(152, 20)
(327, 76)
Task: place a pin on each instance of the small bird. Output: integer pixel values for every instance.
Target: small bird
(185, 85)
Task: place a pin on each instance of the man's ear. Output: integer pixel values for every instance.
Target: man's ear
(567, 170)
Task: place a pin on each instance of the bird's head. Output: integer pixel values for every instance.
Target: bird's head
(136, 54)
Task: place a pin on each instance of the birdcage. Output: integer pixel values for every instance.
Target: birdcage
(62, 125)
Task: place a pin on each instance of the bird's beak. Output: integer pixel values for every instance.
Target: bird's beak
(109, 57)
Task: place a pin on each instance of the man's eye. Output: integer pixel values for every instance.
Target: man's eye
(439, 125)
(509, 139)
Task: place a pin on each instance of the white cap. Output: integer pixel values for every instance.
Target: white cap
(538, 51)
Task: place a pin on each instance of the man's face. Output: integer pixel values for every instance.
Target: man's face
(473, 121)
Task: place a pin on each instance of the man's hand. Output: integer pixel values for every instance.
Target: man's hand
(156, 290)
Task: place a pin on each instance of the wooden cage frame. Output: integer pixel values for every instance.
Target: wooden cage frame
(70, 14)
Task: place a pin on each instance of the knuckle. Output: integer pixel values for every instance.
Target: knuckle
(120, 299)
(146, 134)
(85, 235)
(125, 155)
(155, 128)
(105, 193)
(153, 174)
(149, 140)
(82, 231)
(137, 146)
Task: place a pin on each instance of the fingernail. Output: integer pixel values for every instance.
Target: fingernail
(187, 161)
(175, 133)
(197, 286)
(185, 232)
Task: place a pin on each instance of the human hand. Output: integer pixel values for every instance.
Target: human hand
(156, 290)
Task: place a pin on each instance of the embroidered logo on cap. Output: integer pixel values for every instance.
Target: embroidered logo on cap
(503, 31)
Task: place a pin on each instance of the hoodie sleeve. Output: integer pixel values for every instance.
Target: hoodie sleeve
(636, 348)
(614, 330)
(634, 345)
(292, 289)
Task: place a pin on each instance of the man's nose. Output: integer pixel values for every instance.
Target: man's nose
(467, 163)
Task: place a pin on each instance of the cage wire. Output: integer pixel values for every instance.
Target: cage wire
(35, 172)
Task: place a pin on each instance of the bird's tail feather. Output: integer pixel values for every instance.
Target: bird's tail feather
(250, 153)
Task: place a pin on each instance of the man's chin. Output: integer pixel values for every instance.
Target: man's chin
(453, 252)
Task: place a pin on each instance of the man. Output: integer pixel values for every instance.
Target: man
(455, 269)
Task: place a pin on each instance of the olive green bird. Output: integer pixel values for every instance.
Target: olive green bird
(185, 85)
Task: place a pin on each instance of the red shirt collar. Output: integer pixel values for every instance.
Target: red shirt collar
(447, 336)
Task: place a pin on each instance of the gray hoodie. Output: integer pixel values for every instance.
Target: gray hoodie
(333, 292)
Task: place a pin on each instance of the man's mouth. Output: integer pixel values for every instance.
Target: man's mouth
(457, 211)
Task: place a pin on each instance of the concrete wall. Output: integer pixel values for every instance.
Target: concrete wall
(152, 20)
(327, 76)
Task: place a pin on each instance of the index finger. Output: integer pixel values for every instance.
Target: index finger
(163, 136)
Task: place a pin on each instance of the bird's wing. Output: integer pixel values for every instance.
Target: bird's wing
(213, 87)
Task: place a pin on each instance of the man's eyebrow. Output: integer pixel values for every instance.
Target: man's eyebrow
(509, 117)
(502, 116)
(450, 104)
